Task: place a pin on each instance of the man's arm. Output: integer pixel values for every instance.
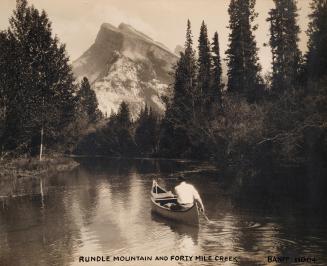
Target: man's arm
(198, 198)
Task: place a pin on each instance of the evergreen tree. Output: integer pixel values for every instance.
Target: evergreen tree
(113, 139)
(189, 39)
(88, 102)
(317, 53)
(119, 135)
(187, 70)
(183, 107)
(184, 90)
(183, 102)
(286, 55)
(43, 87)
(141, 130)
(123, 116)
(181, 112)
(204, 96)
(173, 139)
(243, 66)
(146, 132)
(216, 72)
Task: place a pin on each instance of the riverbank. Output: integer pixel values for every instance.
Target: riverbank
(19, 175)
(27, 167)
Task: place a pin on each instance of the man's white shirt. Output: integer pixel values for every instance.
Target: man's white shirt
(186, 194)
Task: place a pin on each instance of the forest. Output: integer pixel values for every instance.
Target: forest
(253, 121)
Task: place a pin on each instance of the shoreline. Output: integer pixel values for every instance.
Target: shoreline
(20, 174)
(25, 167)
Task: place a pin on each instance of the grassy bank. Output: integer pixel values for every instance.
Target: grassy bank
(21, 176)
(32, 167)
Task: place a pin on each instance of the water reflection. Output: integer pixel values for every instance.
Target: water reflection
(103, 208)
(34, 234)
(180, 229)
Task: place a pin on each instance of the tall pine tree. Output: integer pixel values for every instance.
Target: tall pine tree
(181, 112)
(204, 96)
(184, 102)
(243, 63)
(146, 132)
(123, 116)
(216, 72)
(187, 75)
(286, 56)
(316, 56)
(88, 102)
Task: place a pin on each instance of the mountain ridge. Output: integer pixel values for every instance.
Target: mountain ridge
(123, 62)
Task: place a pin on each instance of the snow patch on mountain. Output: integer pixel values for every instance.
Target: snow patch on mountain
(123, 83)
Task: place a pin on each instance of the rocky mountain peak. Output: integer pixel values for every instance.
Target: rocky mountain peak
(128, 29)
(108, 26)
(125, 64)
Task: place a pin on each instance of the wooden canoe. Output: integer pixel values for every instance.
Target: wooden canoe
(161, 199)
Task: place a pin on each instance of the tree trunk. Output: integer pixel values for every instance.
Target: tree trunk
(41, 145)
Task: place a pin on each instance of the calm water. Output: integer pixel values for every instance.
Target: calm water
(102, 208)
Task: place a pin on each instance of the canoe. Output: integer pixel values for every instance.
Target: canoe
(161, 201)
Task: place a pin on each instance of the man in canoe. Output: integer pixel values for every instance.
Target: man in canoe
(187, 195)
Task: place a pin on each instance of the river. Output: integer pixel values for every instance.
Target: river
(102, 208)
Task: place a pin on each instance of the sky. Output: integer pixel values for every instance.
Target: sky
(77, 22)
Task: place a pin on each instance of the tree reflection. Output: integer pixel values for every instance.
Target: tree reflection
(37, 235)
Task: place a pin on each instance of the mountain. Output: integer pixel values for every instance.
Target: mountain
(124, 64)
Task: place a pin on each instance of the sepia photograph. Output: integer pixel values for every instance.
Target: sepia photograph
(163, 132)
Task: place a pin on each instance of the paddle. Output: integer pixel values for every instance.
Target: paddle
(204, 215)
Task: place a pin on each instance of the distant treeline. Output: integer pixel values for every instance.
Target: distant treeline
(276, 119)
(120, 136)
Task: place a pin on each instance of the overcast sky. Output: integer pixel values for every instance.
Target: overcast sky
(76, 22)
